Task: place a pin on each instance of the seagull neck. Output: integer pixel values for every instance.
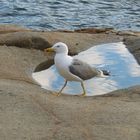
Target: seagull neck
(60, 56)
(62, 53)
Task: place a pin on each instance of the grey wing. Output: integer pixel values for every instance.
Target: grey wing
(82, 69)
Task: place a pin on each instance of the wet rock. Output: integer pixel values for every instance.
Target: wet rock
(93, 30)
(133, 44)
(24, 40)
(89, 30)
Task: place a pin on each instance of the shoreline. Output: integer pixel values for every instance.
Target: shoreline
(30, 112)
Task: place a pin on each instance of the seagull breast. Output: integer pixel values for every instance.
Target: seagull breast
(62, 63)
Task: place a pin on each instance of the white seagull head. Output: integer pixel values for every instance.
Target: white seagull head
(58, 48)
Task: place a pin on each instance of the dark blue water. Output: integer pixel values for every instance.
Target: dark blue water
(115, 57)
(71, 14)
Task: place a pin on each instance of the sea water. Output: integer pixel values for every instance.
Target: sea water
(71, 14)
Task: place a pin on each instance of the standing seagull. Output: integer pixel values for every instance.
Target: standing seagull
(73, 69)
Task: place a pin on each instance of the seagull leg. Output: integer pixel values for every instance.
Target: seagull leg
(59, 93)
(84, 91)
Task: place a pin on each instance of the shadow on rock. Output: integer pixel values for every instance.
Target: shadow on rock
(24, 40)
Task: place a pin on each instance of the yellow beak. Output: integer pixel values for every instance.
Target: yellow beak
(49, 50)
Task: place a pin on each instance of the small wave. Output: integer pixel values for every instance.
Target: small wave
(75, 14)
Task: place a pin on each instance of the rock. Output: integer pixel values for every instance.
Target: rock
(89, 30)
(93, 30)
(24, 40)
(29, 112)
(78, 42)
(19, 63)
(11, 28)
(133, 44)
(126, 33)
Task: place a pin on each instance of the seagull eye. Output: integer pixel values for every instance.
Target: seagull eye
(58, 46)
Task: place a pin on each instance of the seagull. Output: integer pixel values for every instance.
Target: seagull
(71, 68)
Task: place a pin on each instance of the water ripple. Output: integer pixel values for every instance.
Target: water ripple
(71, 14)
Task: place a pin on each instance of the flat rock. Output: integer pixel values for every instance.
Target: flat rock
(78, 42)
(11, 28)
(19, 63)
(24, 40)
(29, 112)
